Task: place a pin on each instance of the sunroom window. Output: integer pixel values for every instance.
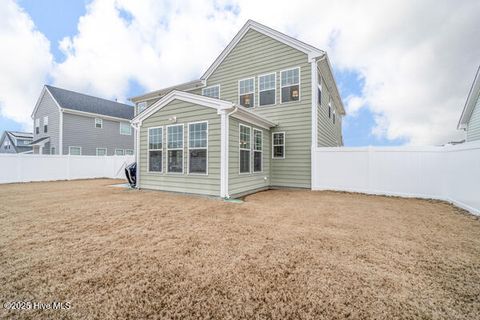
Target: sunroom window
(246, 90)
(198, 147)
(257, 150)
(175, 148)
(290, 83)
(244, 149)
(155, 146)
(266, 89)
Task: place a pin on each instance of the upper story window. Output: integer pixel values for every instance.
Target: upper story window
(333, 116)
(319, 88)
(278, 145)
(141, 106)
(246, 91)
(329, 107)
(290, 85)
(125, 129)
(212, 92)
(37, 126)
(98, 123)
(266, 89)
(175, 148)
(155, 147)
(7, 143)
(198, 147)
(45, 124)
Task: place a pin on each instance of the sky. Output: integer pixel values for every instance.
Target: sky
(403, 67)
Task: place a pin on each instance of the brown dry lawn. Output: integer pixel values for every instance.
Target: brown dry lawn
(282, 254)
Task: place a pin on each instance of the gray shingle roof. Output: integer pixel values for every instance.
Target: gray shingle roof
(18, 134)
(81, 102)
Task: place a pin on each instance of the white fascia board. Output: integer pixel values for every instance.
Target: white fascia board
(252, 118)
(186, 86)
(473, 95)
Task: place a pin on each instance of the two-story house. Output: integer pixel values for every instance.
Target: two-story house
(470, 118)
(249, 123)
(68, 122)
(15, 142)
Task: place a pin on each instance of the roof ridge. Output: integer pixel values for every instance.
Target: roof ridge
(88, 95)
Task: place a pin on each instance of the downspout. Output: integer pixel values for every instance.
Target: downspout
(225, 153)
(314, 127)
(137, 126)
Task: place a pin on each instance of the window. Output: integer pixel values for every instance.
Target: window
(98, 123)
(198, 147)
(37, 126)
(319, 87)
(257, 150)
(278, 145)
(175, 148)
(125, 129)
(290, 85)
(333, 116)
(45, 124)
(101, 151)
(75, 151)
(246, 91)
(212, 92)
(155, 146)
(244, 149)
(52, 150)
(7, 143)
(129, 152)
(329, 107)
(266, 89)
(141, 106)
(119, 152)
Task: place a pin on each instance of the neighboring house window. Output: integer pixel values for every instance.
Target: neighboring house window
(244, 149)
(75, 151)
(212, 92)
(278, 145)
(198, 147)
(290, 85)
(7, 144)
(125, 129)
(319, 86)
(45, 124)
(141, 106)
(52, 150)
(329, 107)
(266, 89)
(119, 152)
(37, 126)
(246, 91)
(101, 151)
(257, 150)
(98, 123)
(155, 146)
(129, 152)
(175, 148)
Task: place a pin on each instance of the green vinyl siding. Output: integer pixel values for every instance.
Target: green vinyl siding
(328, 133)
(185, 112)
(257, 54)
(473, 129)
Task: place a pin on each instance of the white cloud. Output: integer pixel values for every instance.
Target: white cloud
(25, 60)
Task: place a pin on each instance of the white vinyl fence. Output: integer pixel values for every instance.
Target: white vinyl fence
(33, 167)
(450, 173)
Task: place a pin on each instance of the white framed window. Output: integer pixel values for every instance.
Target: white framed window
(246, 92)
(278, 145)
(198, 147)
(319, 90)
(125, 129)
(101, 151)
(212, 91)
(257, 150)
(333, 116)
(155, 149)
(37, 126)
(244, 148)
(290, 85)
(7, 143)
(141, 106)
(129, 152)
(175, 148)
(329, 107)
(45, 124)
(119, 152)
(75, 151)
(98, 123)
(267, 89)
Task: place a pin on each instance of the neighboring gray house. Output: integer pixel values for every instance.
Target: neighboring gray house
(15, 142)
(470, 119)
(251, 122)
(68, 122)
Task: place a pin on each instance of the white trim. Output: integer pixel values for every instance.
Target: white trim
(96, 151)
(315, 75)
(175, 149)
(248, 93)
(275, 88)
(137, 155)
(69, 147)
(299, 85)
(126, 123)
(60, 133)
(209, 87)
(93, 115)
(244, 149)
(261, 151)
(471, 102)
(284, 145)
(148, 150)
(95, 123)
(224, 154)
(189, 148)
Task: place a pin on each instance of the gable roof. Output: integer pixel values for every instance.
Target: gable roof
(21, 135)
(14, 136)
(472, 98)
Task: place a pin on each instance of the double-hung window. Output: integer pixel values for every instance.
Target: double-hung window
(212, 92)
(198, 147)
(155, 146)
(329, 107)
(75, 151)
(333, 116)
(101, 151)
(244, 149)
(246, 91)
(278, 145)
(257, 150)
(319, 90)
(141, 106)
(37, 126)
(290, 85)
(175, 148)
(129, 152)
(98, 123)
(266, 89)
(45, 124)
(125, 129)
(119, 152)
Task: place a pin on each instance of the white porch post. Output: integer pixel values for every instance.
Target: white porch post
(224, 154)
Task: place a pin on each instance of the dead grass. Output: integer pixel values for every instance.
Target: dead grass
(282, 254)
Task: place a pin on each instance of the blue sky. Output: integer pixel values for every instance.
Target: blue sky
(364, 67)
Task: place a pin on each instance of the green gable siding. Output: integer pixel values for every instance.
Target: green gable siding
(185, 113)
(328, 133)
(473, 129)
(257, 54)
